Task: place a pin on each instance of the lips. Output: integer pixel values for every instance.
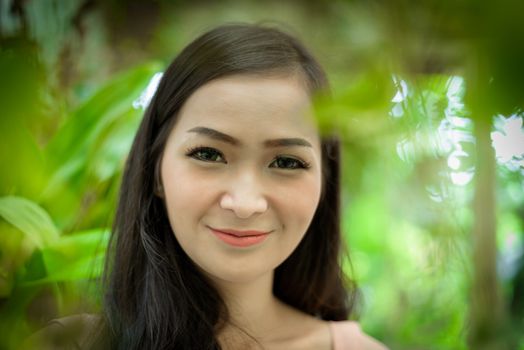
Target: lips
(240, 239)
(241, 233)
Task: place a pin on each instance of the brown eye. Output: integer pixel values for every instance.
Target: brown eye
(288, 163)
(206, 154)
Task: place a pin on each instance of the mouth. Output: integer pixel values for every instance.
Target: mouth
(240, 238)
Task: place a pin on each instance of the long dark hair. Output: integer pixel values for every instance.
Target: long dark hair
(155, 296)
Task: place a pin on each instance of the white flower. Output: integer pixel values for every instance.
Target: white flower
(145, 98)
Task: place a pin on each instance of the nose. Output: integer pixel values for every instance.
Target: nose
(244, 196)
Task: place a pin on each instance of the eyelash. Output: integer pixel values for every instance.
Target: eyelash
(193, 153)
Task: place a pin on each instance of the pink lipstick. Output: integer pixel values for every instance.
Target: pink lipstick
(240, 238)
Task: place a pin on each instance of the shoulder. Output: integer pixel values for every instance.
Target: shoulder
(348, 335)
(71, 332)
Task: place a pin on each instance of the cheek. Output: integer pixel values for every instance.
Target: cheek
(298, 203)
(187, 195)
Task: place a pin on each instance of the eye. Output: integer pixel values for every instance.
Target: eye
(206, 154)
(289, 163)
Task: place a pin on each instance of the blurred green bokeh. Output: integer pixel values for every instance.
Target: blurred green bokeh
(428, 97)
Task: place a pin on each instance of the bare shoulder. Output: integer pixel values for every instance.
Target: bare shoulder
(312, 333)
(369, 343)
(348, 335)
(316, 335)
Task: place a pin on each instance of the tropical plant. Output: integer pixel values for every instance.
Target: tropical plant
(53, 239)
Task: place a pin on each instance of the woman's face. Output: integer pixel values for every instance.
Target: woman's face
(241, 174)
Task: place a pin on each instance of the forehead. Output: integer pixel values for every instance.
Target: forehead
(250, 105)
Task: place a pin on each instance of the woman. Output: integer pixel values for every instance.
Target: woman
(227, 232)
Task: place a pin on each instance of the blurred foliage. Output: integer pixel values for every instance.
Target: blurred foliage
(418, 90)
(48, 255)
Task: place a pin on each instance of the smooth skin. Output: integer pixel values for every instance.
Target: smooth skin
(245, 155)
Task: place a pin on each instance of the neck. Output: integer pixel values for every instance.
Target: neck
(252, 308)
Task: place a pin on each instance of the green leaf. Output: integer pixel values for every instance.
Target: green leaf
(79, 143)
(74, 139)
(34, 222)
(74, 257)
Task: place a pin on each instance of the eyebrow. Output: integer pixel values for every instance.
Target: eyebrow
(220, 136)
